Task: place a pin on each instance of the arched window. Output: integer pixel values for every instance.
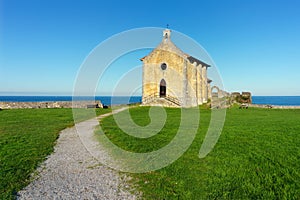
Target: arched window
(162, 88)
(163, 66)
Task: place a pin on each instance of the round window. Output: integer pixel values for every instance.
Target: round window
(163, 66)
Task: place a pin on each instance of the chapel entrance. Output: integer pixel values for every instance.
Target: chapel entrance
(162, 88)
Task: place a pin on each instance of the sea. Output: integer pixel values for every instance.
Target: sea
(106, 100)
(116, 100)
(277, 100)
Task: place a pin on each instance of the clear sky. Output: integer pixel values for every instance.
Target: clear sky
(254, 43)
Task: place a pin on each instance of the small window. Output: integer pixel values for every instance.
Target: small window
(163, 66)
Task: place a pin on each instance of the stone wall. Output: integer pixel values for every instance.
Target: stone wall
(273, 106)
(244, 97)
(57, 104)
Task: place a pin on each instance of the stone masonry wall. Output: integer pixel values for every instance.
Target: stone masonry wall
(57, 104)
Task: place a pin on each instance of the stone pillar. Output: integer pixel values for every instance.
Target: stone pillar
(185, 85)
(209, 91)
(199, 83)
(194, 94)
(204, 84)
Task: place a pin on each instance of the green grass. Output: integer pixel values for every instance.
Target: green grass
(257, 156)
(27, 136)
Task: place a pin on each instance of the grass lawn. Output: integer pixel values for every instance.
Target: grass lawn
(27, 136)
(257, 156)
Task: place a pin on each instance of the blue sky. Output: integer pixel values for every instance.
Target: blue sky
(254, 43)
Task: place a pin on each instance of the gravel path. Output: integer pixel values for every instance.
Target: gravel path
(71, 172)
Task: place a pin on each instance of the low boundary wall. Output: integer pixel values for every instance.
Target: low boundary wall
(56, 104)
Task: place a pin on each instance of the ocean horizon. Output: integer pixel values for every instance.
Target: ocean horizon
(116, 100)
(277, 100)
(106, 100)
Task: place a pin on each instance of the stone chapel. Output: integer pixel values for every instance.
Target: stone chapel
(173, 78)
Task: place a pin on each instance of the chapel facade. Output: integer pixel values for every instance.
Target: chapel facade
(173, 78)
